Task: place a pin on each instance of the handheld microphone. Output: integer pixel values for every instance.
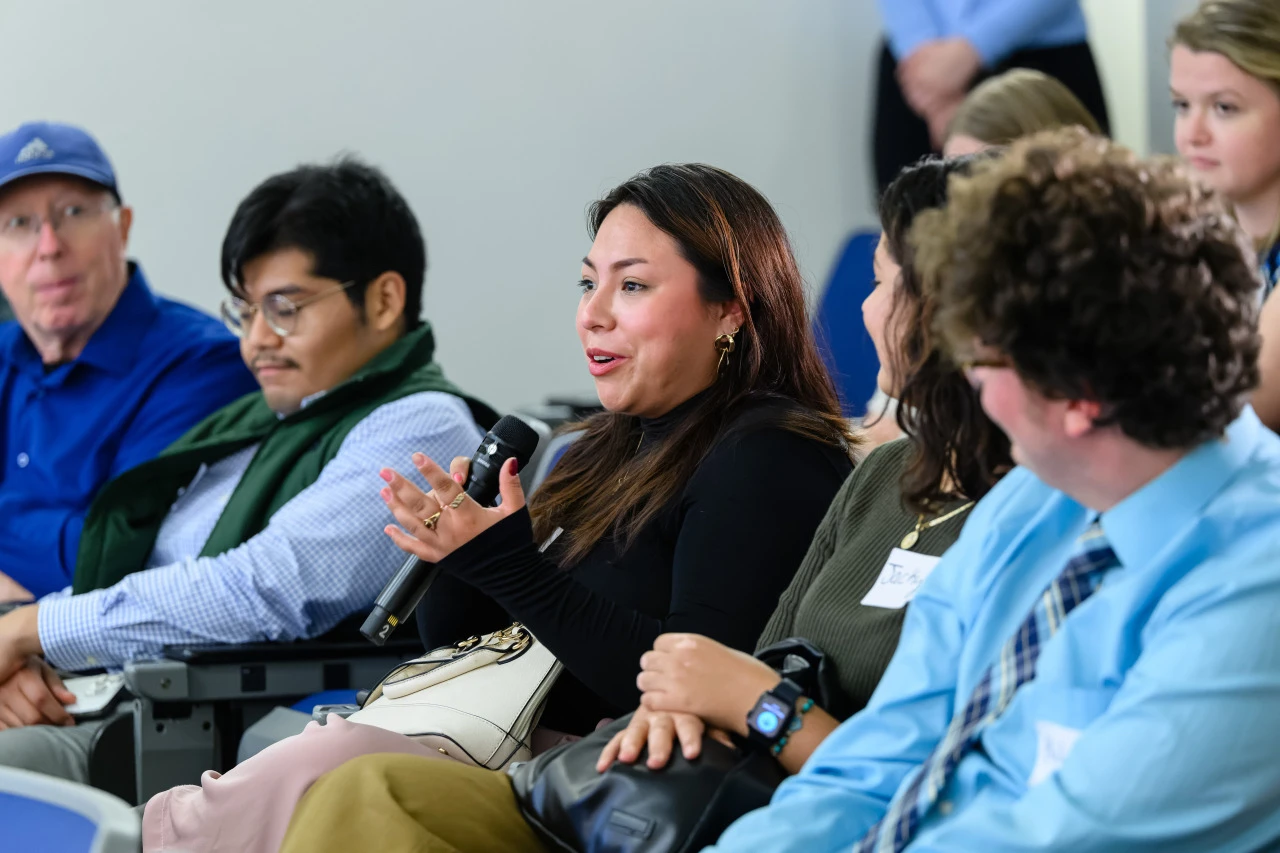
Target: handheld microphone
(509, 437)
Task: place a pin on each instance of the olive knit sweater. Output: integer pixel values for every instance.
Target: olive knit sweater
(866, 521)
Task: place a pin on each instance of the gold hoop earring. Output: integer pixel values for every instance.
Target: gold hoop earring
(725, 344)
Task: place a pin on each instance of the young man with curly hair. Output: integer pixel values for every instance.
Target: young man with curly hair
(1094, 665)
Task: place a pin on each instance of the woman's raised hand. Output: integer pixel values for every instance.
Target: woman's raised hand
(437, 523)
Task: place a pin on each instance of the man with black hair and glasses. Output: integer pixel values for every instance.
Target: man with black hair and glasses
(264, 521)
(98, 374)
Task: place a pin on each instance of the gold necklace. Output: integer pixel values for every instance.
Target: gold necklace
(909, 541)
(634, 454)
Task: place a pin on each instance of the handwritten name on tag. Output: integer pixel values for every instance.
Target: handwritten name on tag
(901, 576)
(1055, 743)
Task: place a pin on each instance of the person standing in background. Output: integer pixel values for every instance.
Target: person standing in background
(934, 51)
(1224, 79)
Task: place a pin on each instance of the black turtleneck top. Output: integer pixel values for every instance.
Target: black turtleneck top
(714, 562)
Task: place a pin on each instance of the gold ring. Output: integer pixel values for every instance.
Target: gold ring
(430, 523)
(457, 502)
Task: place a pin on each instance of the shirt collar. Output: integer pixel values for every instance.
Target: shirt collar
(1144, 523)
(113, 347)
(306, 401)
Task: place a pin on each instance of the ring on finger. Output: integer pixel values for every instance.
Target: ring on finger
(432, 520)
(456, 502)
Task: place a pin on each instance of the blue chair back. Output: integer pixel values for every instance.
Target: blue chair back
(555, 449)
(39, 812)
(842, 339)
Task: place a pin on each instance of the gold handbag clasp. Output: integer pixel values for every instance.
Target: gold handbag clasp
(515, 633)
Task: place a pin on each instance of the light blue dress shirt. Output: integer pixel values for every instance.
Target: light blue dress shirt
(1153, 723)
(322, 557)
(996, 28)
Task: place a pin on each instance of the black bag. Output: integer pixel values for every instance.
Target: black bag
(685, 806)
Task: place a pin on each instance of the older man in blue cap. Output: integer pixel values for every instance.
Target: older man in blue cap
(98, 374)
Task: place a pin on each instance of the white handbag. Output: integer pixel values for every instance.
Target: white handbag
(477, 702)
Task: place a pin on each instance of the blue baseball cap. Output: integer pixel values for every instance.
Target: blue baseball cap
(49, 148)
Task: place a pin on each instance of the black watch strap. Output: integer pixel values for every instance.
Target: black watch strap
(785, 693)
(788, 691)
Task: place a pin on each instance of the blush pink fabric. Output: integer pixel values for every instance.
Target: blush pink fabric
(247, 809)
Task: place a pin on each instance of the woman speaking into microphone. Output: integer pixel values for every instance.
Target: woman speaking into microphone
(686, 506)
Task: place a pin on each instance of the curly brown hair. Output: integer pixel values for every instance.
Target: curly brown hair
(1101, 277)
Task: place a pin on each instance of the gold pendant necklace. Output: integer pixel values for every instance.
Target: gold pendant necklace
(909, 541)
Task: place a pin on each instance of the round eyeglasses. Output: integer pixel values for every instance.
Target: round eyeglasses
(20, 231)
(995, 363)
(280, 312)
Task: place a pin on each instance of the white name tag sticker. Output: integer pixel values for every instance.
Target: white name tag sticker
(1055, 743)
(901, 576)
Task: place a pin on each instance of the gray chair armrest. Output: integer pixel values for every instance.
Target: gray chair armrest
(191, 707)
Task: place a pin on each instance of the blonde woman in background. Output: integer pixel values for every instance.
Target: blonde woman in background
(1225, 82)
(1012, 105)
(1001, 109)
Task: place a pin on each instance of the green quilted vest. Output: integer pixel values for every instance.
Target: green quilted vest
(122, 524)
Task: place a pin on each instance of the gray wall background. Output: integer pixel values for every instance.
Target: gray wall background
(1161, 17)
(499, 121)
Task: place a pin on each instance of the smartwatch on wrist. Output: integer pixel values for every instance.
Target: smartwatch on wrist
(770, 718)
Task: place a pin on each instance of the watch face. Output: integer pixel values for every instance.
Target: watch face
(769, 716)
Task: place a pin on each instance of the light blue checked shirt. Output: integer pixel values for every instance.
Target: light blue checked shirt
(1151, 723)
(322, 557)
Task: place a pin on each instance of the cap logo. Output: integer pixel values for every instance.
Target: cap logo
(36, 149)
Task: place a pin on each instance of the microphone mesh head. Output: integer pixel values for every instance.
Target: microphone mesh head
(519, 435)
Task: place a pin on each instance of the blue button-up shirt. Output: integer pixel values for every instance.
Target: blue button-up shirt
(996, 28)
(1151, 724)
(152, 370)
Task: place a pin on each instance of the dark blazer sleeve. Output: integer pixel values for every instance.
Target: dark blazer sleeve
(746, 520)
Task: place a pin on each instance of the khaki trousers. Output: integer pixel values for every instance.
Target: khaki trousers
(410, 803)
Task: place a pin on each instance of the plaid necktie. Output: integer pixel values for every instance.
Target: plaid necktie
(1016, 666)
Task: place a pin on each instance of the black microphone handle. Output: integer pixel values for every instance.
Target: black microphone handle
(397, 600)
(400, 596)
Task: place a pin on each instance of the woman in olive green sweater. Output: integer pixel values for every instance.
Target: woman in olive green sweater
(849, 596)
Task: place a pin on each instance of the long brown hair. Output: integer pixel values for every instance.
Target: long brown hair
(734, 239)
(956, 449)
